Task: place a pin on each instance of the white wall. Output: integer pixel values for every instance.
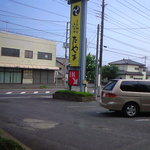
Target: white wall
(23, 43)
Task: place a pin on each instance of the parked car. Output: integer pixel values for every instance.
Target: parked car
(128, 96)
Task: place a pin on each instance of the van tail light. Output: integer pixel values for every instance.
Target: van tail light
(110, 95)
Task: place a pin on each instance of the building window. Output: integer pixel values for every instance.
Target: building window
(42, 55)
(10, 52)
(27, 74)
(131, 76)
(28, 54)
(136, 68)
(10, 75)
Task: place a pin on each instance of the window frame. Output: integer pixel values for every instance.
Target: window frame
(28, 54)
(42, 55)
(10, 52)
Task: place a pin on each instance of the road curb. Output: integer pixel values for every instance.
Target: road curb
(5, 134)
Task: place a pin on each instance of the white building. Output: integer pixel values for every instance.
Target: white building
(26, 60)
(129, 69)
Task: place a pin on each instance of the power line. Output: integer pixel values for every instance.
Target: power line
(139, 40)
(32, 28)
(120, 53)
(37, 8)
(129, 52)
(126, 15)
(127, 44)
(128, 20)
(141, 5)
(137, 8)
(119, 24)
(30, 18)
(120, 50)
(29, 40)
(47, 11)
(133, 10)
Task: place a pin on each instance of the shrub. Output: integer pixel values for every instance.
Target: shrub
(75, 93)
(43, 86)
(7, 144)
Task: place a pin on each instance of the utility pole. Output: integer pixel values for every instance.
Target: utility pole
(96, 68)
(83, 44)
(145, 60)
(101, 47)
(66, 47)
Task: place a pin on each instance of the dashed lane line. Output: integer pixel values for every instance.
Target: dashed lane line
(23, 93)
(8, 92)
(35, 92)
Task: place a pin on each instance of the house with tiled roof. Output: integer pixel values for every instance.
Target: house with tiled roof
(60, 62)
(148, 74)
(129, 69)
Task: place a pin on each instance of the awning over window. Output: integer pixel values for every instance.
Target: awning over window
(28, 66)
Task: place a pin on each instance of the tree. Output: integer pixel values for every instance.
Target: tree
(90, 67)
(109, 72)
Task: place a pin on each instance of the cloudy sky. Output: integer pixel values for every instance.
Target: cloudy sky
(126, 27)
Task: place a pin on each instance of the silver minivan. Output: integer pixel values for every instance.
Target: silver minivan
(128, 96)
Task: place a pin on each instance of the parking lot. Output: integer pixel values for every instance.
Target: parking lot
(46, 124)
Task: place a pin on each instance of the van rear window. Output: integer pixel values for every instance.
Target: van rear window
(110, 85)
(129, 86)
(135, 86)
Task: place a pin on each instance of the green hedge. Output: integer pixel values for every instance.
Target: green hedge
(7, 144)
(81, 94)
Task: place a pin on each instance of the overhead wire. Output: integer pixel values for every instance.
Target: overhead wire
(120, 53)
(32, 28)
(141, 5)
(126, 35)
(133, 10)
(37, 8)
(129, 29)
(137, 8)
(127, 44)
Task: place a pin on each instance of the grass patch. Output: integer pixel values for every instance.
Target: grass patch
(75, 93)
(43, 86)
(7, 144)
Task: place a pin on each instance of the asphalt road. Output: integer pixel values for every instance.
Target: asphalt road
(46, 124)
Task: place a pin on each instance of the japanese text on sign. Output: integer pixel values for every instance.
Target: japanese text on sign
(75, 34)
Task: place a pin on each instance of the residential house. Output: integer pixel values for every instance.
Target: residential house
(26, 60)
(129, 69)
(148, 75)
(60, 62)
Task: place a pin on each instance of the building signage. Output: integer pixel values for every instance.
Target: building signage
(74, 52)
(73, 77)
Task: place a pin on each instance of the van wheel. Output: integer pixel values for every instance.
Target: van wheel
(131, 109)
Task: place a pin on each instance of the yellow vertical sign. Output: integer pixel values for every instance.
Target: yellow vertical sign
(74, 52)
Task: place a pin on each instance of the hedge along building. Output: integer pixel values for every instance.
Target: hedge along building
(26, 60)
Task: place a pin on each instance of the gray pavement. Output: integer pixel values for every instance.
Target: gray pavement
(47, 124)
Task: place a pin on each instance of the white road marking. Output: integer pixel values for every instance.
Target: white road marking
(47, 92)
(35, 92)
(9, 93)
(142, 120)
(22, 92)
